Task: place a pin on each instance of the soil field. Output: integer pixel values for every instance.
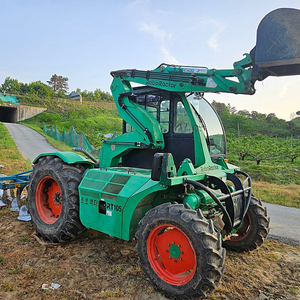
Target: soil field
(96, 266)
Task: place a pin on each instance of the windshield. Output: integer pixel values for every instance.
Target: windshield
(215, 130)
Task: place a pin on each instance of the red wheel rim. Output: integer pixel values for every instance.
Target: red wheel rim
(242, 231)
(48, 200)
(171, 254)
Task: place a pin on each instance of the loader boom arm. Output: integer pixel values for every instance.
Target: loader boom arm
(194, 79)
(179, 79)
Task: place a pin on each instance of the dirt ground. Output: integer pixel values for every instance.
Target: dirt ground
(96, 266)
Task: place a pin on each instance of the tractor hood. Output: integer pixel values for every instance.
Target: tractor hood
(277, 50)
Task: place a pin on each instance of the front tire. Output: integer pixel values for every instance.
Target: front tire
(180, 251)
(53, 199)
(253, 229)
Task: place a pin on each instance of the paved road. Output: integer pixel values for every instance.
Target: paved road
(29, 142)
(285, 221)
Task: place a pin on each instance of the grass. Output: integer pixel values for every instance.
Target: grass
(293, 290)
(56, 144)
(281, 172)
(287, 195)
(274, 181)
(10, 158)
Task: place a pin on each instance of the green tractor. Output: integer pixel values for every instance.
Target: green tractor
(166, 181)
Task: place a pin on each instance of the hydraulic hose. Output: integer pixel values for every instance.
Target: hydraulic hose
(88, 155)
(226, 217)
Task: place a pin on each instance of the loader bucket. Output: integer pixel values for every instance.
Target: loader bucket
(277, 50)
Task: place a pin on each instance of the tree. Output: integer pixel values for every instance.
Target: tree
(239, 146)
(291, 149)
(232, 110)
(264, 148)
(59, 83)
(244, 113)
(220, 108)
(257, 116)
(100, 95)
(11, 86)
(40, 89)
(271, 117)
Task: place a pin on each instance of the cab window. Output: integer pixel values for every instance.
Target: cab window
(158, 106)
(182, 123)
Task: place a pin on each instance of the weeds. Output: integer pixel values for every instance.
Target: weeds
(293, 290)
(117, 293)
(114, 270)
(8, 286)
(25, 238)
(14, 271)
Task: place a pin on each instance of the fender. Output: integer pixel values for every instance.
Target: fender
(68, 157)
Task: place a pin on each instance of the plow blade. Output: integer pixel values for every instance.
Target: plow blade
(277, 50)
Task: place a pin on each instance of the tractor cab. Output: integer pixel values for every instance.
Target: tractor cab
(179, 115)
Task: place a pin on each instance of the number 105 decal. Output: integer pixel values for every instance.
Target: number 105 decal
(114, 207)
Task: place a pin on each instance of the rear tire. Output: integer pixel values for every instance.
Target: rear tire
(180, 251)
(53, 199)
(252, 231)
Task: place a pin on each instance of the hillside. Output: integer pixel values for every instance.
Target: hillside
(94, 118)
(243, 122)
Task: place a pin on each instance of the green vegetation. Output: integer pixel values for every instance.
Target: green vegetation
(59, 84)
(37, 88)
(10, 158)
(245, 123)
(97, 115)
(58, 87)
(93, 119)
(263, 148)
(275, 181)
(268, 149)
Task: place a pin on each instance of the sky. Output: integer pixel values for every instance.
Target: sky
(86, 40)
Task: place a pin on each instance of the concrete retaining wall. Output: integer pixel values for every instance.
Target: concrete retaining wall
(12, 113)
(26, 112)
